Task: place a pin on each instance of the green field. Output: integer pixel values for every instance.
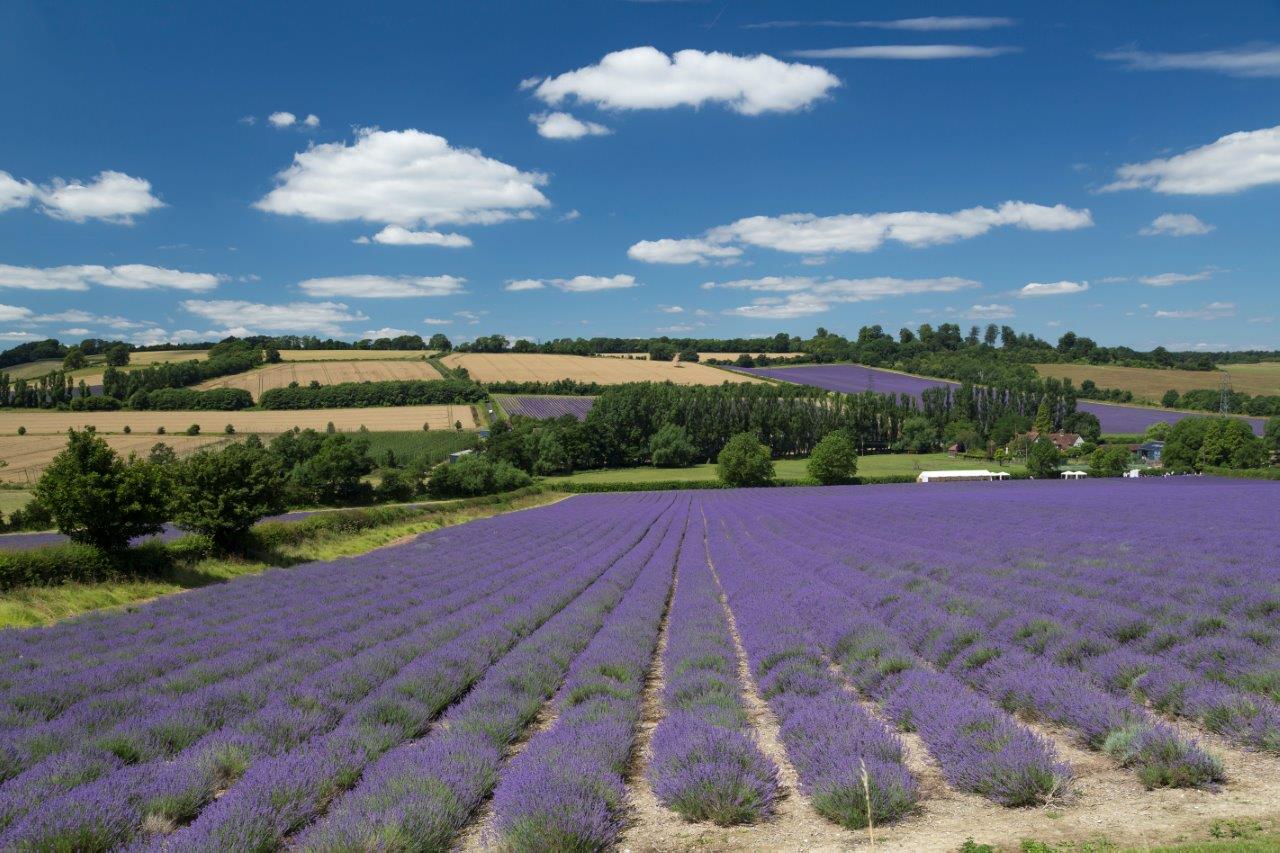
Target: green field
(431, 446)
(880, 465)
(11, 499)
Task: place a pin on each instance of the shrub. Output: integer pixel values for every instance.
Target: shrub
(744, 461)
(127, 429)
(834, 460)
(475, 474)
(159, 430)
(396, 486)
(22, 430)
(1170, 399)
(96, 497)
(332, 473)
(194, 429)
(221, 493)
(229, 429)
(670, 447)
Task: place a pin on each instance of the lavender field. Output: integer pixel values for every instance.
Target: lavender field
(854, 379)
(723, 669)
(543, 408)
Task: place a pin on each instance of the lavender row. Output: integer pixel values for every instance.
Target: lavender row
(45, 692)
(1041, 690)
(152, 726)
(566, 791)
(373, 698)
(418, 797)
(980, 748)
(264, 719)
(544, 408)
(705, 763)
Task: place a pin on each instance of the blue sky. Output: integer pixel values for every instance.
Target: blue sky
(174, 171)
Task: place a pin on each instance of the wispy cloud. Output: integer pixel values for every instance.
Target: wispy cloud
(1251, 60)
(933, 23)
(1212, 311)
(1056, 288)
(907, 51)
(1176, 225)
(1166, 279)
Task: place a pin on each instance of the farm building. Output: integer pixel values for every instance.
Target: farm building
(1061, 440)
(1151, 451)
(965, 476)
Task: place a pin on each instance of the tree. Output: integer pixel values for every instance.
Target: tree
(1043, 459)
(670, 447)
(1084, 424)
(660, 351)
(74, 359)
(222, 493)
(1007, 426)
(918, 435)
(744, 461)
(1044, 418)
(1170, 399)
(834, 460)
(553, 458)
(1158, 431)
(1230, 443)
(1109, 461)
(744, 359)
(440, 342)
(98, 498)
(1182, 447)
(271, 355)
(117, 355)
(1271, 436)
(475, 474)
(332, 475)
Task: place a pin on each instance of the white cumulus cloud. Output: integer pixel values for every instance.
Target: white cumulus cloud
(383, 286)
(560, 125)
(668, 251)
(1252, 60)
(124, 276)
(809, 234)
(385, 332)
(110, 197)
(1176, 225)
(906, 51)
(806, 295)
(402, 178)
(398, 235)
(324, 318)
(10, 313)
(1235, 162)
(282, 119)
(646, 78)
(1055, 288)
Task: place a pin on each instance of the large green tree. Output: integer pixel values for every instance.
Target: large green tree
(670, 447)
(98, 498)
(744, 461)
(834, 460)
(1043, 459)
(221, 493)
(1109, 461)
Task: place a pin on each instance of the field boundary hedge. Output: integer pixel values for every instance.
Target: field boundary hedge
(358, 395)
(1245, 473)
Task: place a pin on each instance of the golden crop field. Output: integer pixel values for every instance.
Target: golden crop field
(324, 372)
(33, 369)
(145, 359)
(353, 354)
(26, 456)
(520, 367)
(1150, 384)
(398, 418)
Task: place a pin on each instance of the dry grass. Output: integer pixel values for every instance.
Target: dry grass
(391, 419)
(1150, 384)
(324, 372)
(34, 369)
(513, 367)
(352, 354)
(26, 456)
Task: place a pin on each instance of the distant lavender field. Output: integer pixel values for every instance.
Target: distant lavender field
(548, 407)
(854, 378)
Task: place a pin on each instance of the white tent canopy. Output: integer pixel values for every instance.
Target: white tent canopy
(969, 475)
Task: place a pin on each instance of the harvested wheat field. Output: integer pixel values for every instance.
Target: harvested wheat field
(519, 367)
(25, 456)
(382, 419)
(324, 372)
(145, 359)
(353, 354)
(1150, 384)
